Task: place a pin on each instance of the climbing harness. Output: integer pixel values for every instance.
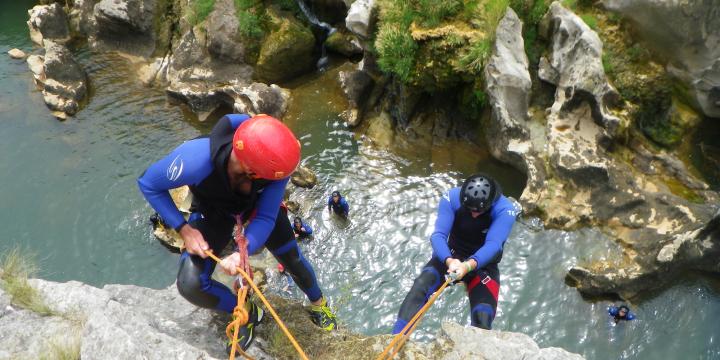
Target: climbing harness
(399, 340)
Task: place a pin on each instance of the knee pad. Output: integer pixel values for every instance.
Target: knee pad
(482, 316)
(191, 281)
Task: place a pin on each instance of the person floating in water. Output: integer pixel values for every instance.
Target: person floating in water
(472, 225)
(621, 312)
(338, 205)
(237, 174)
(301, 229)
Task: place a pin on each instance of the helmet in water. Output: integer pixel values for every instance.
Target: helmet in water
(479, 192)
(267, 147)
(336, 193)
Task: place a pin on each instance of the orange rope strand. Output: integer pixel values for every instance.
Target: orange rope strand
(267, 305)
(399, 340)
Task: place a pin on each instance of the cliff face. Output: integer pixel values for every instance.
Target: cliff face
(130, 322)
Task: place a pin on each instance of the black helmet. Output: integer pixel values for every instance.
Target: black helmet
(479, 192)
(336, 193)
(297, 219)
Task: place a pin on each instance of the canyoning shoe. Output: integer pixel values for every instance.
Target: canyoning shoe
(322, 316)
(246, 334)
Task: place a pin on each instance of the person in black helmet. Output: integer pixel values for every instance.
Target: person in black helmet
(472, 225)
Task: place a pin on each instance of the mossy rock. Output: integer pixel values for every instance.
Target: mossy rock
(287, 52)
(343, 43)
(669, 129)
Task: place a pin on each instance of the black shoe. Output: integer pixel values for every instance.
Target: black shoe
(246, 334)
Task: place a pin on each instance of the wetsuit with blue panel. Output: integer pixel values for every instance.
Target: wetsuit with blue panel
(341, 207)
(201, 164)
(461, 236)
(301, 229)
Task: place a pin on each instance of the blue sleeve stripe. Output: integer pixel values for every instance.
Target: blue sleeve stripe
(503, 218)
(267, 209)
(443, 226)
(188, 164)
(236, 119)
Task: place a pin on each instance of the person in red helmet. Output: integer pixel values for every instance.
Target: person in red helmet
(237, 175)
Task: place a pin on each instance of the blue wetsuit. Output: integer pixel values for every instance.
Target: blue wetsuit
(614, 311)
(341, 207)
(201, 164)
(458, 235)
(304, 231)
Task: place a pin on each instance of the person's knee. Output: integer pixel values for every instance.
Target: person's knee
(190, 283)
(482, 316)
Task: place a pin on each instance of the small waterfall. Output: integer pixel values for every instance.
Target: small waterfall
(326, 28)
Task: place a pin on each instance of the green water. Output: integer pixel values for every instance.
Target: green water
(69, 195)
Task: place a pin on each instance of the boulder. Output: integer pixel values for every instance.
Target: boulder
(508, 85)
(81, 18)
(127, 26)
(356, 85)
(48, 22)
(359, 17)
(16, 54)
(304, 178)
(222, 32)
(256, 98)
(286, 52)
(574, 65)
(689, 39)
(343, 43)
(62, 80)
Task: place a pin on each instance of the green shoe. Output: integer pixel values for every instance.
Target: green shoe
(322, 316)
(246, 334)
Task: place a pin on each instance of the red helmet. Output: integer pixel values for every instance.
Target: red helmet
(267, 147)
(281, 268)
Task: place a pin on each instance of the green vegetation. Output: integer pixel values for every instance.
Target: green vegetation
(532, 12)
(590, 20)
(15, 269)
(251, 18)
(200, 10)
(436, 43)
(62, 348)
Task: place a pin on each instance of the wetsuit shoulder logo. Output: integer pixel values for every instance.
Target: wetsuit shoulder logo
(175, 169)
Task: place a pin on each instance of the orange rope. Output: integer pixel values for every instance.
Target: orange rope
(267, 305)
(399, 340)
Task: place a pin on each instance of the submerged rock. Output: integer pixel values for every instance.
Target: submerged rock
(344, 43)
(16, 54)
(48, 22)
(304, 178)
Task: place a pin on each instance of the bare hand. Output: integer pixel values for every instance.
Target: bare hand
(230, 264)
(194, 242)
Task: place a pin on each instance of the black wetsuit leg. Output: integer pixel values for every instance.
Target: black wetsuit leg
(283, 246)
(430, 278)
(194, 274)
(483, 286)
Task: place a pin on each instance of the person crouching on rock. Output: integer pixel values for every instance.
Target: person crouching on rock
(472, 225)
(236, 174)
(621, 312)
(301, 229)
(338, 205)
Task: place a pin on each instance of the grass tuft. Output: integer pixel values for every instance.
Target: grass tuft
(15, 269)
(251, 18)
(590, 20)
(63, 348)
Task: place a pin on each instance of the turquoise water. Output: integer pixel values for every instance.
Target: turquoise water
(69, 195)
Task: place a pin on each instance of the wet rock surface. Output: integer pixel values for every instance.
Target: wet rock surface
(48, 22)
(577, 175)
